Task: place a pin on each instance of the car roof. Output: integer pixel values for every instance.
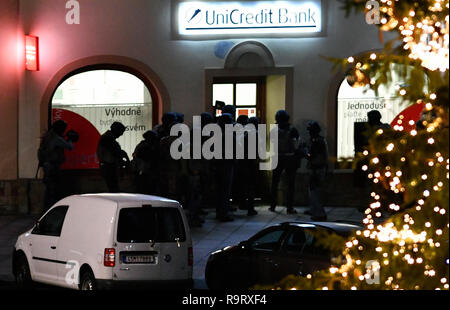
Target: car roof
(126, 198)
(339, 227)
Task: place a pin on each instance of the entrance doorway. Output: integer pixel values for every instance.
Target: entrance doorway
(251, 81)
(257, 92)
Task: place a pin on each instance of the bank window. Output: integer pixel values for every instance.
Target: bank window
(353, 104)
(91, 101)
(245, 94)
(224, 93)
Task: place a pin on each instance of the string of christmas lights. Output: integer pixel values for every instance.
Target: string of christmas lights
(408, 166)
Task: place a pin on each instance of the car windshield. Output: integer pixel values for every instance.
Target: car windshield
(142, 225)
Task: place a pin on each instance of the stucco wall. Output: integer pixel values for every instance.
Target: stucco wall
(8, 88)
(140, 29)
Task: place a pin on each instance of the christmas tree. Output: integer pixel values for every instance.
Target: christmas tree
(407, 166)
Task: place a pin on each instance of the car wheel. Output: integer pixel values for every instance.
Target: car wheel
(22, 273)
(87, 282)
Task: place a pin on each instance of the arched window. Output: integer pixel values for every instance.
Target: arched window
(353, 103)
(91, 101)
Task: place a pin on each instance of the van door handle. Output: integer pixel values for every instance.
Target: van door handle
(53, 247)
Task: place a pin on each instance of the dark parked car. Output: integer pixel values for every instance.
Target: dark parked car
(272, 254)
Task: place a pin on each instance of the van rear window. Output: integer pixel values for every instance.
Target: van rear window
(142, 225)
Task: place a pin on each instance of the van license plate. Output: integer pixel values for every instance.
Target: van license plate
(139, 259)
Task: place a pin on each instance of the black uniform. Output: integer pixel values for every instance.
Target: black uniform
(146, 164)
(111, 157)
(55, 147)
(224, 171)
(317, 165)
(247, 175)
(170, 169)
(288, 161)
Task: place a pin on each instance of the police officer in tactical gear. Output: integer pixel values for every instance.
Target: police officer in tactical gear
(146, 163)
(163, 129)
(111, 156)
(206, 176)
(317, 164)
(288, 161)
(171, 169)
(199, 178)
(224, 170)
(363, 132)
(247, 170)
(240, 181)
(51, 157)
(230, 109)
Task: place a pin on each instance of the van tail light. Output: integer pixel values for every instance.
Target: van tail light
(110, 257)
(190, 257)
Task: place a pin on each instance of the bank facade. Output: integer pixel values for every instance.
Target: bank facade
(106, 60)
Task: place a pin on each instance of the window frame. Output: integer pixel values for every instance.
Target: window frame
(286, 239)
(37, 228)
(260, 82)
(157, 229)
(264, 233)
(313, 249)
(154, 92)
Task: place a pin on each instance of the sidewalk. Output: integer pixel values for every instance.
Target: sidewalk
(213, 235)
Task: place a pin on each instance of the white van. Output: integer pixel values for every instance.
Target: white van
(98, 241)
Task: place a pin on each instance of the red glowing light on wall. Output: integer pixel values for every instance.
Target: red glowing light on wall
(32, 53)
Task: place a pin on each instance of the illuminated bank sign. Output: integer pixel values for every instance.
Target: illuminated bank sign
(230, 18)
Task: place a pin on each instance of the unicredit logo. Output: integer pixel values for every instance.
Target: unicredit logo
(263, 17)
(249, 17)
(196, 16)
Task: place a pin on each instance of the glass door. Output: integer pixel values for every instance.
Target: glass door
(247, 95)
